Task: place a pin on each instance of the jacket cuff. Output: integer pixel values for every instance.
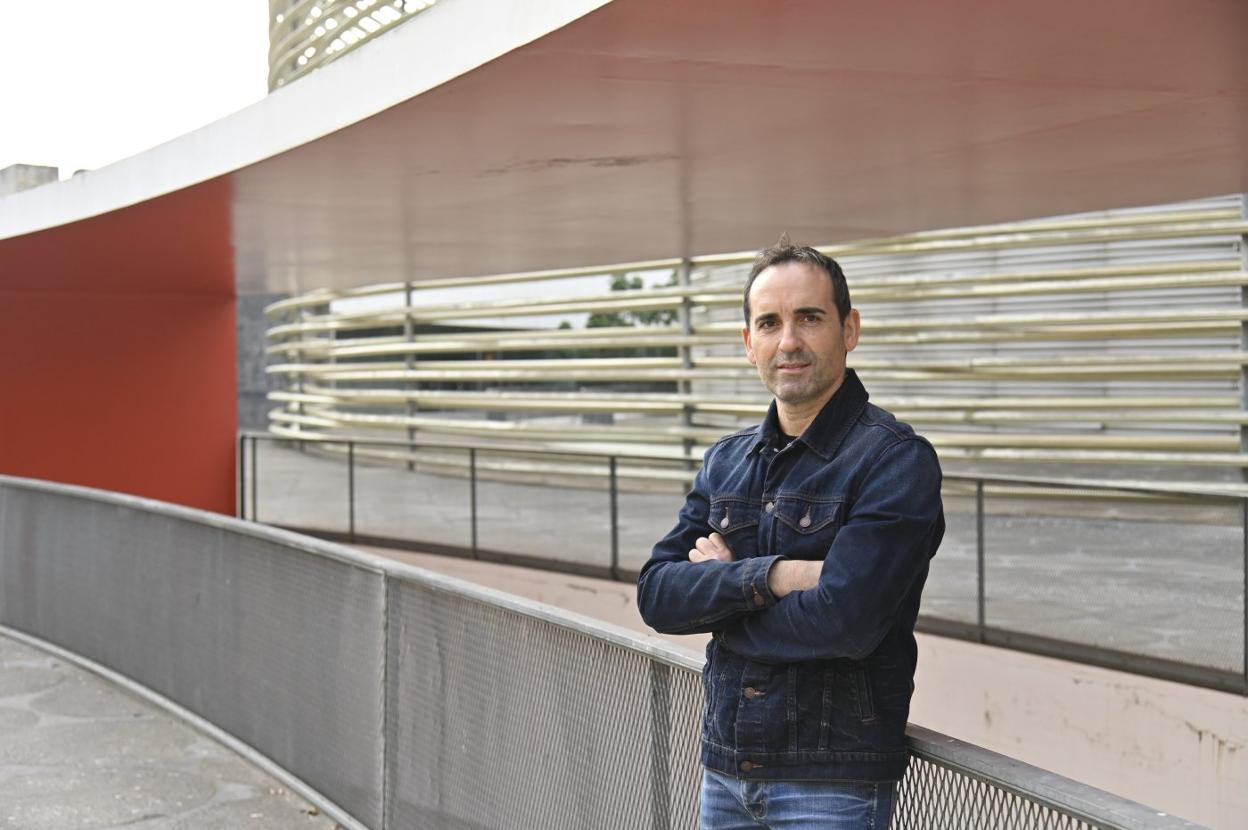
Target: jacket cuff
(754, 588)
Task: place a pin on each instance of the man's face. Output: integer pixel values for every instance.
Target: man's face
(795, 337)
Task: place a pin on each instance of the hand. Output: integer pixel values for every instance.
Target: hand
(711, 548)
(789, 575)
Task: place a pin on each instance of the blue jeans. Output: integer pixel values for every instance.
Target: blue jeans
(732, 804)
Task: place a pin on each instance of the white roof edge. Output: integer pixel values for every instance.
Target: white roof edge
(409, 60)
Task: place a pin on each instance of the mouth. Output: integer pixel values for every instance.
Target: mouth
(791, 367)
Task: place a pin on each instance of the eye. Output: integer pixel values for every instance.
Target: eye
(763, 325)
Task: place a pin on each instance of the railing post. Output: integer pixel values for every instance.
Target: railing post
(241, 497)
(1245, 576)
(472, 496)
(255, 462)
(389, 698)
(660, 745)
(981, 605)
(615, 519)
(351, 490)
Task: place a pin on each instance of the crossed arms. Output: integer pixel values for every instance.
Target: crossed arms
(773, 609)
(783, 577)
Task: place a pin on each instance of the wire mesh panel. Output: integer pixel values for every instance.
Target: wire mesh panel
(502, 720)
(951, 590)
(301, 486)
(935, 797)
(429, 504)
(1160, 577)
(647, 511)
(540, 506)
(281, 648)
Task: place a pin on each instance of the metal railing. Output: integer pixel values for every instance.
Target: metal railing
(1079, 569)
(393, 697)
(1019, 347)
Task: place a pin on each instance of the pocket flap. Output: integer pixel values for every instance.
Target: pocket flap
(728, 515)
(808, 515)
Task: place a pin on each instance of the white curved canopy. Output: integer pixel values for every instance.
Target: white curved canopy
(484, 137)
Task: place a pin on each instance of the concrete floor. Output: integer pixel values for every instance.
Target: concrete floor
(78, 752)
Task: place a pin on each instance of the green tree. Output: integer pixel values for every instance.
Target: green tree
(657, 317)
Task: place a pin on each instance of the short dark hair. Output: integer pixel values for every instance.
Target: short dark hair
(785, 251)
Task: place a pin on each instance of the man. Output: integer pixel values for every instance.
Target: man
(803, 546)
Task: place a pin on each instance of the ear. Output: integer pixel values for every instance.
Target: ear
(749, 350)
(850, 328)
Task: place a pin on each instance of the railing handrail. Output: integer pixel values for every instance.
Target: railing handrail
(1073, 798)
(1229, 493)
(1040, 786)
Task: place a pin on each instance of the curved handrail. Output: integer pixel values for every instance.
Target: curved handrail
(1234, 493)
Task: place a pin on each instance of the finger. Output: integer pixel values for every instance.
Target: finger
(717, 546)
(696, 555)
(706, 547)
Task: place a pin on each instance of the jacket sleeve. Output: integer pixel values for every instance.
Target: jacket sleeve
(878, 557)
(676, 596)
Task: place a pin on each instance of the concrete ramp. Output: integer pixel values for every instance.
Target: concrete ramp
(78, 752)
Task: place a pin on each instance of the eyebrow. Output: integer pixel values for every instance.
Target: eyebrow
(772, 315)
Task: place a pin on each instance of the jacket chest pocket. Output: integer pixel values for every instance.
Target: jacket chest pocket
(805, 527)
(737, 521)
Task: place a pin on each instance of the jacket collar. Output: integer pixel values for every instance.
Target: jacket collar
(826, 433)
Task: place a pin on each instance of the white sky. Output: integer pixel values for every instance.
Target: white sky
(84, 83)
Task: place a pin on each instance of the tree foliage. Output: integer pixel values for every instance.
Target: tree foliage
(657, 317)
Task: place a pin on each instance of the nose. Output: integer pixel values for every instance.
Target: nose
(789, 340)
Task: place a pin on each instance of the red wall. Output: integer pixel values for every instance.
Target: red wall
(117, 353)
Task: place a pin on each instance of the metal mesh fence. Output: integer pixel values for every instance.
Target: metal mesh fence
(1142, 579)
(409, 699)
(935, 797)
(281, 649)
(503, 720)
(397, 503)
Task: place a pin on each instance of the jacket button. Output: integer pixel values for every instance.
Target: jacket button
(724, 522)
(759, 599)
(771, 505)
(747, 766)
(805, 521)
(750, 693)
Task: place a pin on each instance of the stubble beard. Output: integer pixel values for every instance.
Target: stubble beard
(796, 390)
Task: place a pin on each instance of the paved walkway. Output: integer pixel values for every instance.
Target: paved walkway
(76, 752)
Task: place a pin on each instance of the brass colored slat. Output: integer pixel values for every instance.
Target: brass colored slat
(1160, 384)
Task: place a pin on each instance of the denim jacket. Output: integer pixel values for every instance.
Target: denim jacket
(816, 685)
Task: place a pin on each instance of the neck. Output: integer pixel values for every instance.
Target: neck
(795, 417)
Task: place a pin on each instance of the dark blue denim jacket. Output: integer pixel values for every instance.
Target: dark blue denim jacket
(817, 685)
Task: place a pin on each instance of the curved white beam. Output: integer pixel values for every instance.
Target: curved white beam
(395, 68)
